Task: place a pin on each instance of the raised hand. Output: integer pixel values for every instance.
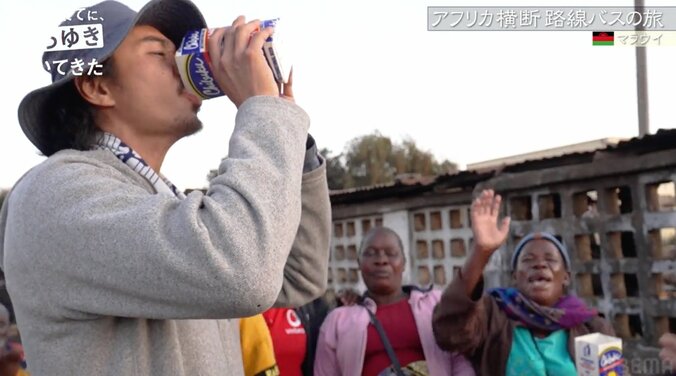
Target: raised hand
(488, 235)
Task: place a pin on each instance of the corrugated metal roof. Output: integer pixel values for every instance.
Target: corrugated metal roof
(661, 140)
(409, 184)
(401, 187)
(581, 148)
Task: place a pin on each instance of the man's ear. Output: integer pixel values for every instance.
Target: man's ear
(95, 90)
(566, 280)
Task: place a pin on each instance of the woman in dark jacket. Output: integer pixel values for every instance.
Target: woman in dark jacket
(527, 330)
(312, 316)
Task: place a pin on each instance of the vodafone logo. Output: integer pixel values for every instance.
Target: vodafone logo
(292, 318)
(295, 325)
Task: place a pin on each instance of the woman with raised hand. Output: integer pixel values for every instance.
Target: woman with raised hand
(528, 329)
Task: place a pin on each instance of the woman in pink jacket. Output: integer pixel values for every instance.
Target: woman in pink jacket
(390, 331)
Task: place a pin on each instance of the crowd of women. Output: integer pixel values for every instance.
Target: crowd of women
(397, 329)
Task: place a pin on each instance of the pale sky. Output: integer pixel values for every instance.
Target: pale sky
(366, 65)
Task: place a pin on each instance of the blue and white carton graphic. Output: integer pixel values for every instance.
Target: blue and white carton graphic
(194, 65)
(597, 354)
(271, 49)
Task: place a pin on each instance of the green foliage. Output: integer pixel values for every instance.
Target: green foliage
(335, 170)
(374, 159)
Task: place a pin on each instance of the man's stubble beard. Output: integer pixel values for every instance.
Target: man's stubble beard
(190, 126)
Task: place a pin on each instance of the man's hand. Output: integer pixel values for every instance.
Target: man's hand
(488, 235)
(238, 63)
(668, 352)
(286, 90)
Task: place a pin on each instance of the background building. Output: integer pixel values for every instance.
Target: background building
(612, 206)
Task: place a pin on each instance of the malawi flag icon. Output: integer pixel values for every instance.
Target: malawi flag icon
(603, 38)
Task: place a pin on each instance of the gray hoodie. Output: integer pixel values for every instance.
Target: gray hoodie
(107, 277)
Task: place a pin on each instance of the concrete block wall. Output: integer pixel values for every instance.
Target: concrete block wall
(441, 240)
(621, 235)
(346, 238)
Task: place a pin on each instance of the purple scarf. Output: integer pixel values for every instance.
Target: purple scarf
(568, 312)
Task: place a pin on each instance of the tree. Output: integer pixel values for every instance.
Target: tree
(369, 161)
(373, 159)
(447, 167)
(335, 170)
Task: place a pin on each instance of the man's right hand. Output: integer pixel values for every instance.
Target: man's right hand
(238, 63)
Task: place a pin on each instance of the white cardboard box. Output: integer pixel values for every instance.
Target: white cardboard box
(598, 354)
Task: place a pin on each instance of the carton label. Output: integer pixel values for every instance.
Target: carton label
(599, 355)
(610, 362)
(201, 78)
(194, 67)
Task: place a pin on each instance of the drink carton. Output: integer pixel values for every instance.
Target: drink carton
(597, 354)
(194, 66)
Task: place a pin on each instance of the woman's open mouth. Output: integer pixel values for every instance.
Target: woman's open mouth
(539, 279)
